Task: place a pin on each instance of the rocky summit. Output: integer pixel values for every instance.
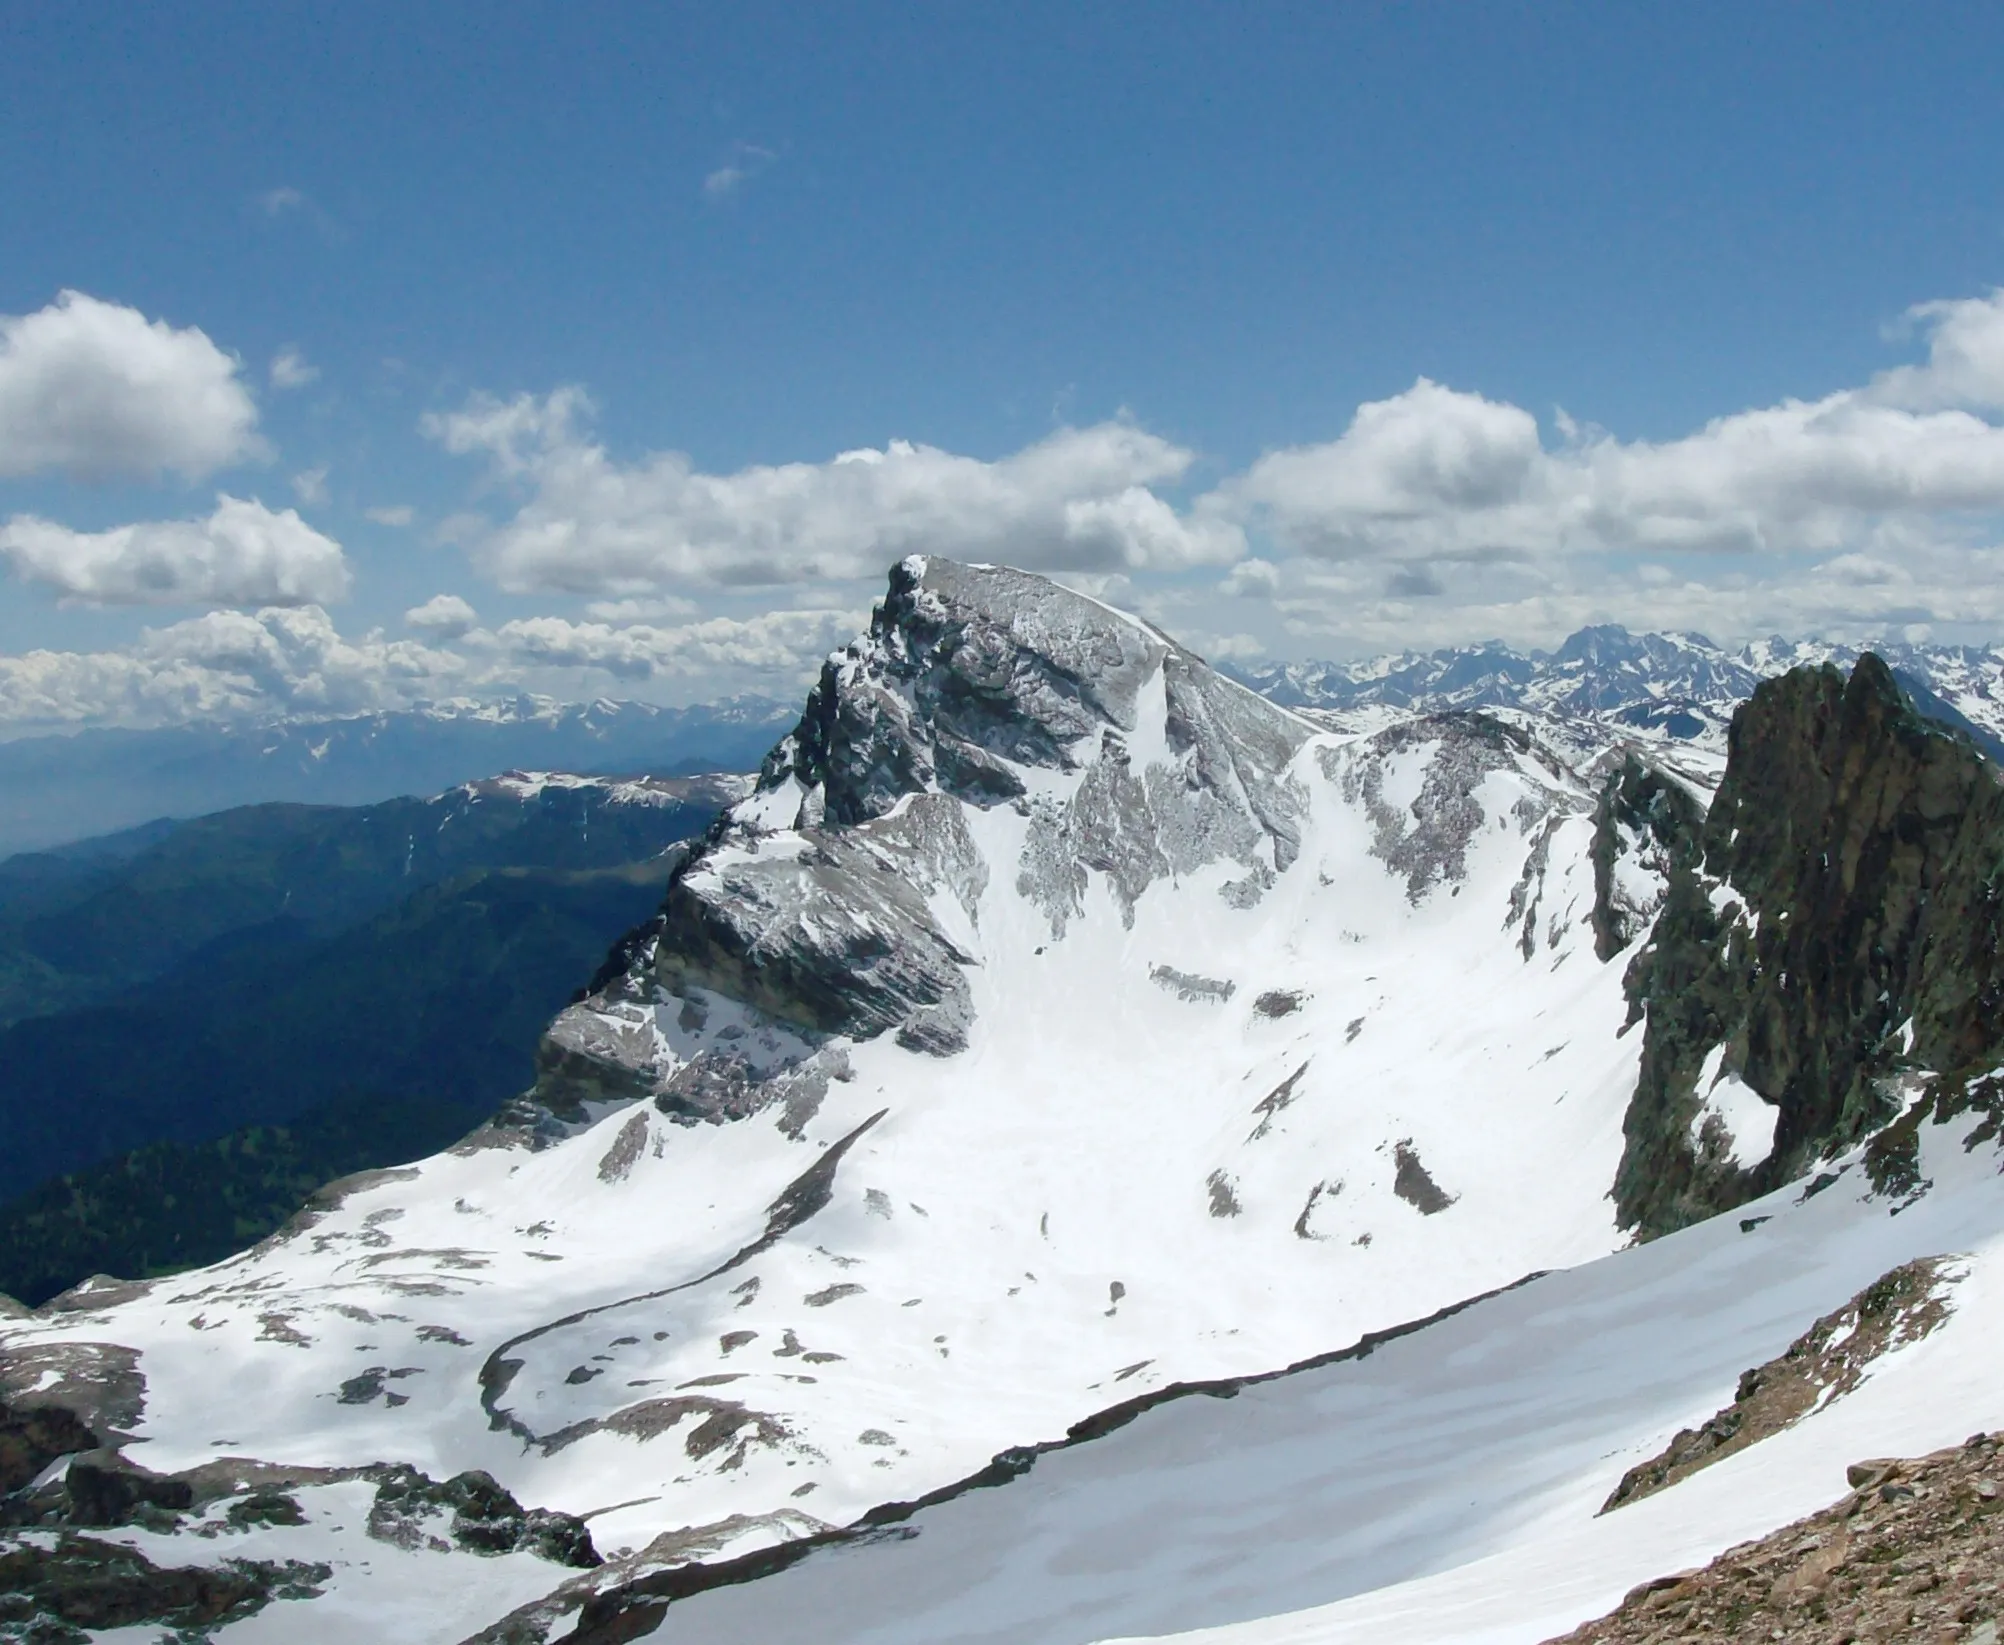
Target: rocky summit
(1059, 1029)
(1828, 942)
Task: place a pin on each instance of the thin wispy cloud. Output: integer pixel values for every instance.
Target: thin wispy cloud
(290, 369)
(287, 201)
(745, 162)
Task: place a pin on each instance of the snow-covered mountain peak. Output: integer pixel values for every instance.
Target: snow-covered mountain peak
(714, 788)
(1056, 1023)
(971, 674)
(989, 721)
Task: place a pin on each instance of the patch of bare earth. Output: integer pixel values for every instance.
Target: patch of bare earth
(1915, 1554)
(1826, 1362)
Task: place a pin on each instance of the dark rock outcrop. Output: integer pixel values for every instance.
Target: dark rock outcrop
(472, 1511)
(1832, 928)
(1652, 826)
(33, 1437)
(103, 1490)
(51, 1595)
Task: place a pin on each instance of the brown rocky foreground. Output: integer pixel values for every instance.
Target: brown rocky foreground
(1914, 1553)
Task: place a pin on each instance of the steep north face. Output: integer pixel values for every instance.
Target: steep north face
(1828, 941)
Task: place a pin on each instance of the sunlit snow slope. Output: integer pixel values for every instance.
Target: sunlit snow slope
(1058, 1020)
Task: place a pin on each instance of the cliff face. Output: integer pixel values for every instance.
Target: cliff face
(1829, 938)
(842, 897)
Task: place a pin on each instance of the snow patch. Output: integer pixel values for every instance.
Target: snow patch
(1733, 1107)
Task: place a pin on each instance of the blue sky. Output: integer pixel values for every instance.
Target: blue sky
(581, 304)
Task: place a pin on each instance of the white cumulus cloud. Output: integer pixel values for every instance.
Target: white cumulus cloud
(1079, 499)
(776, 642)
(226, 665)
(242, 554)
(1443, 476)
(97, 389)
(274, 663)
(443, 616)
(1965, 356)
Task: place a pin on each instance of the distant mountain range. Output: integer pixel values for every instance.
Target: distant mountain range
(62, 788)
(56, 789)
(1679, 685)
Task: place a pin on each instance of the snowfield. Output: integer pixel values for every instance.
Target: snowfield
(1186, 1040)
(1445, 1487)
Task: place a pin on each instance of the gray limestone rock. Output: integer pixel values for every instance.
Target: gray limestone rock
(1426, 842)
(832, 938)
(964, 668)
(844, 898)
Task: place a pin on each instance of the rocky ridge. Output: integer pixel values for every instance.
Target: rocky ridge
(1828, 945)
(1826, 1362)
(1914, 1552)
(841, 898)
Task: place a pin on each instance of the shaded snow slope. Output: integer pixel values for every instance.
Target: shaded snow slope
(1057, 1021)
(1447, 1487)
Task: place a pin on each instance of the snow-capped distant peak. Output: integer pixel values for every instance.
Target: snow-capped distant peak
(1668, 687)
(709, 789)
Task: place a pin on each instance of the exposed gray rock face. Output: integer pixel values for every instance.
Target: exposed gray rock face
(1426, 841)
(965, 671)
(1225, 796)
(836, 938)
(843, 898)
